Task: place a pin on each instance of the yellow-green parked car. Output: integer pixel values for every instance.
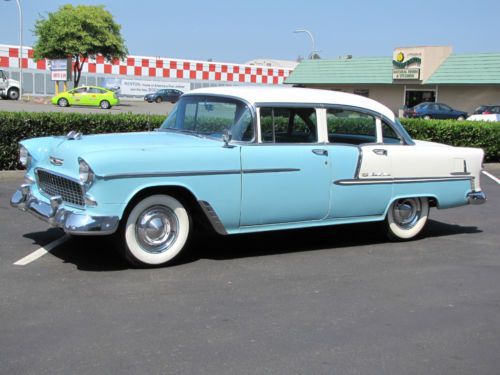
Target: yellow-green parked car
(87, 95)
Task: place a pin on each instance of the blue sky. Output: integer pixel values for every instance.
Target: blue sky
(238, 31)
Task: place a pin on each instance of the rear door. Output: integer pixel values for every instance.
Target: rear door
(361, 163)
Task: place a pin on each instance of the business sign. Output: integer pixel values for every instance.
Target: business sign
(406, 64)
(59, 75)
(136, 87)
(60, 70)
(406, 73)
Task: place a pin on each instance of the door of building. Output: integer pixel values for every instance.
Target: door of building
(414, 97)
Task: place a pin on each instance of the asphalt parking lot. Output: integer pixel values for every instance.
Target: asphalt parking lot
(336, 300)
(43, 105)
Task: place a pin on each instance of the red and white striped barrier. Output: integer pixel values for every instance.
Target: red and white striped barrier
(157, 67)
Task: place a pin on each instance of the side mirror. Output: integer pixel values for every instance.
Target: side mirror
(226, 138)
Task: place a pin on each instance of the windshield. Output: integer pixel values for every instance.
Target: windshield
(211, 116)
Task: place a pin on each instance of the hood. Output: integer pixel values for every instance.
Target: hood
(111, 146)
(13, 82)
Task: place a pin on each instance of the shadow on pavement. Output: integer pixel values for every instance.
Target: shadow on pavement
(97, 253)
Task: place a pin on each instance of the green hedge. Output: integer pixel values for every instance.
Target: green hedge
(482, 134)
(15, 126)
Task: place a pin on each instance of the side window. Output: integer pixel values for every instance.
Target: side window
(288, 125)
(389, 135)
(347, 126)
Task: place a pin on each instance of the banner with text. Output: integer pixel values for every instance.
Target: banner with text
(136, 87)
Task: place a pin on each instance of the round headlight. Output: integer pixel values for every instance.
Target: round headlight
(86, 173)
(24, 156)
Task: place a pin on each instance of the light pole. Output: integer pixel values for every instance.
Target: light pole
(312, 40)
(20, 47)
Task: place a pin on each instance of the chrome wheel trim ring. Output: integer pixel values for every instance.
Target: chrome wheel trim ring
(407, 212)
(156, 229)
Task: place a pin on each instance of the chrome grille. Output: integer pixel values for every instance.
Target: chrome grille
(51, 184)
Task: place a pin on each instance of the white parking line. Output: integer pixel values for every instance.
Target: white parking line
(492, 177)
(41, 251)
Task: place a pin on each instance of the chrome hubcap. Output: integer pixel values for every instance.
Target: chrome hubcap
(156, 229)
(407, 212)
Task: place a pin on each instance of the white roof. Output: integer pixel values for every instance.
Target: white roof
(287, 94)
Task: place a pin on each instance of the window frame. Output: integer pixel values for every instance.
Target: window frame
(285, 106)
(379, 120)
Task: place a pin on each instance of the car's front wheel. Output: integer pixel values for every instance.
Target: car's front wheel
(105, 104)
(406, 218)
(461, 118)
(156, 231)
(62, 102)
(13, 94)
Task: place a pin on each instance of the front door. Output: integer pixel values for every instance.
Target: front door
(287, 177)
(284, 184)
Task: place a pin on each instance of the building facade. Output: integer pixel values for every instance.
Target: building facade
(411, 76)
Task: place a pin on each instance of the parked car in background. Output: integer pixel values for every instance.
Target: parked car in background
(164, 95)
(241, 160)
(487, 110)
(9, 88)
(429, 111)
(87, 96)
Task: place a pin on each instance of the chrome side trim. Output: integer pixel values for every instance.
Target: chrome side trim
(195, 173)
(460, 173)
(270, 170)
(360, 160)
(374, 181)
(212, 217)
(476, 197)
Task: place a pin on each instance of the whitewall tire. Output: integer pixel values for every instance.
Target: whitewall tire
(406, 218)
(156, 231)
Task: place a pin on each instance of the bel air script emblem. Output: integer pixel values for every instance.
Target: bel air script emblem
(56, 161)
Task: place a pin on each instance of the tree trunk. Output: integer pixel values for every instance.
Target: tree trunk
(77, 70)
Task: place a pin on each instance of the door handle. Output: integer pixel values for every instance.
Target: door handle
(380, 151)
(320, 151)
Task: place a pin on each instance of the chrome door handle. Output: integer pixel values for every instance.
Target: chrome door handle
(320, 151)
(380, 151)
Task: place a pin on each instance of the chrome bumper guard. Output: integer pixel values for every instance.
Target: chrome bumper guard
(57, 216)
(476, 197)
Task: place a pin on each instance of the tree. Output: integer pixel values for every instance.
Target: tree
(79, 32)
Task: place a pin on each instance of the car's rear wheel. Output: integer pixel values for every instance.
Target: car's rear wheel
(13, 94)
(427, 117)
(406, 218)
(461, 118)
(62, 102)
(105, 104)
(156, 231)
(158, 100)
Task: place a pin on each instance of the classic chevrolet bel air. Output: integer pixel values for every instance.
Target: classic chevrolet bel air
(245, 159)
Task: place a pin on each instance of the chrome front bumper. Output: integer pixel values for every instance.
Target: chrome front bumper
(476, 197)
(54, 214)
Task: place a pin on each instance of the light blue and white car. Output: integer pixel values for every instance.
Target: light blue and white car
(245, 159)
